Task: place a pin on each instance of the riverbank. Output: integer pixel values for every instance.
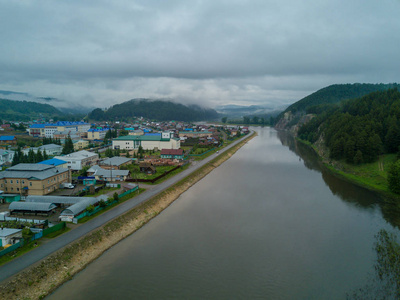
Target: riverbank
(371, 176)
(44, 277)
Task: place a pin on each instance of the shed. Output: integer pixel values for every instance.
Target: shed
(147, 168)
(9, 236)
(59, 200)
(74, 210)
(8, 198)
(31, 207)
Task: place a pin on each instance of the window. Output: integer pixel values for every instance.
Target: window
(12, 189)
(23, 181)
(30, 183)
(17, 189)
(11, 181)
(17, 180)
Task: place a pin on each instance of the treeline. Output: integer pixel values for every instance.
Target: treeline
(334, 94)
(250, 120)
(358, 130)
(31, 157)
(154, 110)
(26, 110)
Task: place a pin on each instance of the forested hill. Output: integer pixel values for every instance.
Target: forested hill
(335, 94)
(154, 110)
(26, 110)
(359, 130)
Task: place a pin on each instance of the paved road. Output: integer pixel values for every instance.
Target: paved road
(34, 256)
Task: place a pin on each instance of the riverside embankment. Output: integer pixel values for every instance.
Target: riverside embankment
(43, 277)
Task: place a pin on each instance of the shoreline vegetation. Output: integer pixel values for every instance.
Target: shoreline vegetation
(371, 176)
(44, 277)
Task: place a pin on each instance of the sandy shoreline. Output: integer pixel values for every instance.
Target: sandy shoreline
(41, 279)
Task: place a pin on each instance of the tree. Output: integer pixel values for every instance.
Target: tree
(115, 197)
(224, 119)
(45, 156)
(39, 156)
(246, 120)
(90, 208)
(394, 177)
(109, 152)
(68, 146)
(255, 120)
(123, 132)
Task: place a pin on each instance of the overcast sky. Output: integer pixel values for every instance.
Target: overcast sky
(99, 53)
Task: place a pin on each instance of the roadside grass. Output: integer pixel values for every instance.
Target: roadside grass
(18, 252)
(121, 200)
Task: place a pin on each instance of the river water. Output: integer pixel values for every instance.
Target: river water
(266, 224)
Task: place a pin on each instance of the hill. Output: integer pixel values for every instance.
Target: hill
(155, 110)
(26, 110)
(360, 129)
(326, 97)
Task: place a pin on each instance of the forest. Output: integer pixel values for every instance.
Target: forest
(358, 130)
(334, 94)
(26, 110)
(155, 110)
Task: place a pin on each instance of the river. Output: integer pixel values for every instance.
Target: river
(266, 224)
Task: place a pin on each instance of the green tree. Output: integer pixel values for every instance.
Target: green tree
(394, 177)
(90, 208)
(68, 146)
(224, 119)
(115, 197)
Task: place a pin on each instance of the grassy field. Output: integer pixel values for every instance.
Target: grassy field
(371, 175)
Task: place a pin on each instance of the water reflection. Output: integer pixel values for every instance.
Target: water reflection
(347, 191)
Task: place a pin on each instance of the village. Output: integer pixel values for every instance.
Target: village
(57, 175)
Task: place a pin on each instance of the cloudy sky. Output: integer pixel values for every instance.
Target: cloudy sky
(271, 52)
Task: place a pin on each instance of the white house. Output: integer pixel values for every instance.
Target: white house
(51, 149)
(156, 141)
(78, 160)
(6, 156)
(9, 236)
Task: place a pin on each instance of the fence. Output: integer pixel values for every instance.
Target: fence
(202, 153)
(154, 179)
(34, 237)
(128, 192)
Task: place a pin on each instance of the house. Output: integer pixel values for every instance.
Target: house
(164, 140)
(81, 144)
(51, 149)
(115, 162)
(108, 175)
(172, 153)
(195, 134)
(33, 179)
(10, 236)
(55, 162)
(77, 160)
(8, 140)
(97, 133)
(48, 129)
(147, 168)
(6, 157)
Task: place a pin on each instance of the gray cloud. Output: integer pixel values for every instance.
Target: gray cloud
(216, 52)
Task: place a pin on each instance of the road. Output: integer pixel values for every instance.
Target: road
(20, 263)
